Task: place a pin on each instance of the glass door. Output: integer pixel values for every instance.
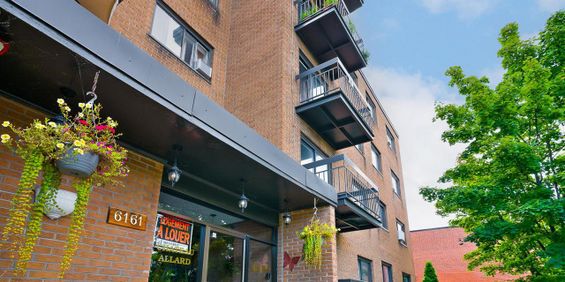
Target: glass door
(225, 257)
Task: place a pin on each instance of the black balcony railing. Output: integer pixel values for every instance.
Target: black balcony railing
(350, 182)
(329, 78)
(308, 9)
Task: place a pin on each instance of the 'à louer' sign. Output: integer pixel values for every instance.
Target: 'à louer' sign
(173, 234)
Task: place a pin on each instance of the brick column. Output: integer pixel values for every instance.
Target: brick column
(289, 242)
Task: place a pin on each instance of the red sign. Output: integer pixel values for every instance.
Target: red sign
(173, 234)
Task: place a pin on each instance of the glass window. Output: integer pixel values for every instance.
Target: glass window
(365, 269)
(167, 31)
(181, 42)
(176, 251)
(383, 215)
(371, 107)
(406, 277)
(395, 183)
(390, 140)
(359, 147)
(387, 272)
(310, 154)
(376, 158)
(225, 257)
(401, 231)
(260, 261)
(214, 3)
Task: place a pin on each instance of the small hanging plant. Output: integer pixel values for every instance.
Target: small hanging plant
(314, 236)
(43, 145)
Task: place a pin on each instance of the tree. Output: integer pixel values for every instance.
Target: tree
(506, 189)
(430, 273)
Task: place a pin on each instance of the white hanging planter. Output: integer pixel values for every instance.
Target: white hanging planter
(64, 204)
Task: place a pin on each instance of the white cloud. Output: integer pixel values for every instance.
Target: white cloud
(465, 9)
(551, 5)
(409, 101)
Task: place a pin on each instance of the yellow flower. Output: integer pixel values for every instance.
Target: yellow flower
(88, 105)
(6, 124)
(80, 115)
(5, 138)
(60, 101)
(79, 143)
(60, 145)
(79, 151)
(52, 124)
(81, 105)
(39, 126)
(67, 109)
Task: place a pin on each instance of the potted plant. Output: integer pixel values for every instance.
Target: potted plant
(314, 236)
(85, 146)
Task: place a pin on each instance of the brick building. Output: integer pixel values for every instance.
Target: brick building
(445, 248)
(262, 98)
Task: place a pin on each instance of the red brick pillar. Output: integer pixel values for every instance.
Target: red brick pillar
(290, 243)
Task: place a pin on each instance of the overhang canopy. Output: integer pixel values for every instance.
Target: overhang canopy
(52, 40)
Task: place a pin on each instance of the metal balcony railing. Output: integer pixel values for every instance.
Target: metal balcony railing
(308, 9)
(350, 181)
(329, 77)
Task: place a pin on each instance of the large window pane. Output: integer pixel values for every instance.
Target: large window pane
(176, 252)
(260, 261)
(225, 258)
(167, 31)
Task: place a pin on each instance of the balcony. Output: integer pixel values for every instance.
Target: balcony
(353, 5)
(327, 30)
(358, 198)
(333, 106)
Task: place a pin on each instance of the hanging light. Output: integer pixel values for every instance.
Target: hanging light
(175, 172)
(243, 200)
(287, 218)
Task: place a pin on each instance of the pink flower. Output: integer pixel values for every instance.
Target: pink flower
(83, 122)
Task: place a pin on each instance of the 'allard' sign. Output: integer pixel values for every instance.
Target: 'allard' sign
(127, 219)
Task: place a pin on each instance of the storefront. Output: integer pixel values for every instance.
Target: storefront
(198, 242)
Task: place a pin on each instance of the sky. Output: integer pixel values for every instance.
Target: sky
(412, 43)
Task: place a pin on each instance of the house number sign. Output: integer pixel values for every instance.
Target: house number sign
(127, 219)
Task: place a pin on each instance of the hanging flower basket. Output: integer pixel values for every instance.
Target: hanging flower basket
(79, 165)
(92, 154)
(62, 205)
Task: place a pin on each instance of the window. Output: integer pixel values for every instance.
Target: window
(309, 154)
(387, 272)
(395, 183)
(359, 148)
(180, 41)
(390, 140)
(376, 158)
(382, 214)
(406, 277)
(372, 107)
(365, 269)
(401, 232)
(214, 3)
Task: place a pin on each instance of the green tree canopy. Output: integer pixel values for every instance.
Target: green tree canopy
(506, 189)
(430, 273)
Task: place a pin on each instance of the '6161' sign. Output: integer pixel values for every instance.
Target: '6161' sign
(127, 219)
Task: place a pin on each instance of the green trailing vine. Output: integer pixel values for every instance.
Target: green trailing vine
(82, 187)
(21, 202)
(45, 197)
(314, 236)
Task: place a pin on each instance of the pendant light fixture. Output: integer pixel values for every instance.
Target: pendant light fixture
(287, 217)
(243, 200)
(175, 172)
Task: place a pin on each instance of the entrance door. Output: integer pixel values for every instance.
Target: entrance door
(225, 257)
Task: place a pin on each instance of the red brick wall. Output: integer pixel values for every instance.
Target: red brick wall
(445, 249)
(106, 252)
(289, 242)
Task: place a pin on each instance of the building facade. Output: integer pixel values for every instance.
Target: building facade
(266, 99)
(445, 248)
